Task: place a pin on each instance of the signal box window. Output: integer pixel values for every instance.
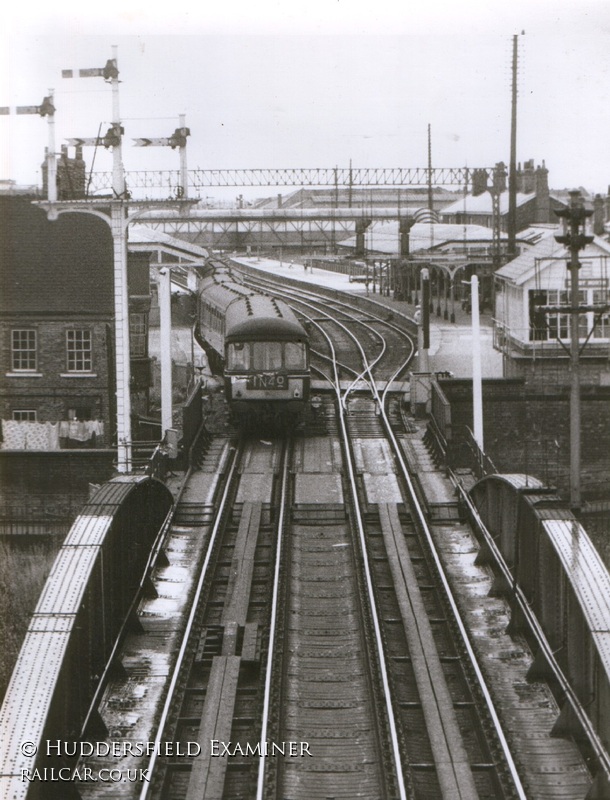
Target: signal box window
(23, 350)
(78, 347)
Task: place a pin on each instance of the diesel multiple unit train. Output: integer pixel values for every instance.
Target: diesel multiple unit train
(257, 344)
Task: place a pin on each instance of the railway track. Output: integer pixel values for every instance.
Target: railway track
(324, 654)
(218, 690)
(449, 689)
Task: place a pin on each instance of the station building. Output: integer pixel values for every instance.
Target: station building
(535, 203)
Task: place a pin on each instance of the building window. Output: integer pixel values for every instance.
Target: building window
(137, 335)
(78, 350)
(601, 320)
(24, 415)
(23, 350)
(80, 412)
(555, 325)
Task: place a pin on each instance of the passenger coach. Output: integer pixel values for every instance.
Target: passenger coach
(259, 346)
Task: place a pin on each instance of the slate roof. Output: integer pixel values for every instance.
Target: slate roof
(522, 268)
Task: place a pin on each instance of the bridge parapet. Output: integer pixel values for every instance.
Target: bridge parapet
(92, 588)
(558, 588)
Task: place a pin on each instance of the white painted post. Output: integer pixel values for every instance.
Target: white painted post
(121, 292)
(477, 387)
(165, 337)
(121, 329)
(118, 175)
(423, 329)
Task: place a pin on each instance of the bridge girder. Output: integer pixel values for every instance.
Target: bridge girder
(296, 177)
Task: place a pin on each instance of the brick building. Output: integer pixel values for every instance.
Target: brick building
(57, 328)
(535, 203)
(56, 311)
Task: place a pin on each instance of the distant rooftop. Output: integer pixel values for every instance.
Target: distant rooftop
(383, 236)
(8, 187)
(482, 204)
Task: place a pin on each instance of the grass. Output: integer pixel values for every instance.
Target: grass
(25, 564)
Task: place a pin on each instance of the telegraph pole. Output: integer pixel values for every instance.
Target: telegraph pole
(430, 192)
(575, 240)
(512, 169)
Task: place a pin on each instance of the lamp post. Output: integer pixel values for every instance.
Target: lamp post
(574, 239)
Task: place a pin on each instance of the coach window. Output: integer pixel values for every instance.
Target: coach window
(238, 356)
(294, 355)
(267, 355)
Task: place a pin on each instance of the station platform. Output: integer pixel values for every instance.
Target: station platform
(450, 342)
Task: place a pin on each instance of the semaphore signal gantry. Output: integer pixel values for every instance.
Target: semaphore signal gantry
(117, 210)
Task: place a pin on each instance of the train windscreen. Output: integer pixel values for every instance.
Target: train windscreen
(263, 356)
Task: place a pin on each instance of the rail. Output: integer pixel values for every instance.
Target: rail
(269, 675)
(203, 575)
(419, 519)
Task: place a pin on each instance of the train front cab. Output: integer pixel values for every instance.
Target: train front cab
(267, 381)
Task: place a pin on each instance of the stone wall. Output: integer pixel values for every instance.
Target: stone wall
(528, 431)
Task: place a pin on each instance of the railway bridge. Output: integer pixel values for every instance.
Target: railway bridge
(99, 660)
(87, 604)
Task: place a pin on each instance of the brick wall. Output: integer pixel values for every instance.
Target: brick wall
(55, 480)
(52, 394)
(525, 431)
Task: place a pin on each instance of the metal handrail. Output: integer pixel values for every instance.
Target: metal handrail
(521, 601)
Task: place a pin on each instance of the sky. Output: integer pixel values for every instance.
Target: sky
(317, 83)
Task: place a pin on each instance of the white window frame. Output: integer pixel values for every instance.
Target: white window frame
(138, 332)
(81, 355)
(18, 352)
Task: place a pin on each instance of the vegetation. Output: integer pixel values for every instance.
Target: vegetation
(25, 563)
